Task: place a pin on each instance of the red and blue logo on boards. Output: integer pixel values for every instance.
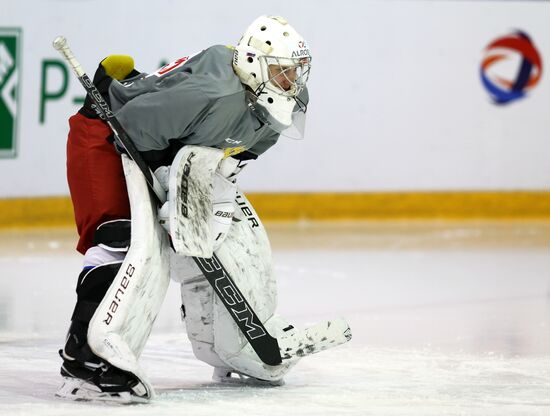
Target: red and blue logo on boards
(511, 67)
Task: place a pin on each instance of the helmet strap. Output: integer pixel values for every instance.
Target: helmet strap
(260, 45)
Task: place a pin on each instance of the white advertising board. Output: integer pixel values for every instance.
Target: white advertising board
(397, 99)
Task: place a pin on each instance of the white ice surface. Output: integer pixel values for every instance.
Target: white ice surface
(439, 329)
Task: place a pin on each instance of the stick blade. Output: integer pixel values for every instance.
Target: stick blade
(315, 339)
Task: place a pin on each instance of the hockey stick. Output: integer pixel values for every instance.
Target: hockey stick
(240, 310)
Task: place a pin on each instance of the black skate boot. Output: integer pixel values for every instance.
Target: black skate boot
(85, 375)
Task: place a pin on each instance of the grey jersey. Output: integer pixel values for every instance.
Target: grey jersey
(197, 101)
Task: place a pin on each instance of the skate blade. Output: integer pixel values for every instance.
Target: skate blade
(80, 390)
(238, 379)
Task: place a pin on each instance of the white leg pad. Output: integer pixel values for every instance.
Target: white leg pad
(123, 320)
(216, 339)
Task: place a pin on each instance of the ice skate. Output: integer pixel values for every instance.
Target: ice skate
(85, 390)
(87, 377)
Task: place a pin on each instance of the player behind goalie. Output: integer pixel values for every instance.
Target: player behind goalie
(238, 100)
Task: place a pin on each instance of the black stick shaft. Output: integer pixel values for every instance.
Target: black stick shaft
(240, 310)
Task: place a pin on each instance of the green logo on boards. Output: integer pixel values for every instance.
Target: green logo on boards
(10, 71)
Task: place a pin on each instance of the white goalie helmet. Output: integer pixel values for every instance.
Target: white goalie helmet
(274, 61)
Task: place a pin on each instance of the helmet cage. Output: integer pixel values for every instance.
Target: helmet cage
(292, 72)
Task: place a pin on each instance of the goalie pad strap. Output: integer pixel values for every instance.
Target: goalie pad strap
(113, 235)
